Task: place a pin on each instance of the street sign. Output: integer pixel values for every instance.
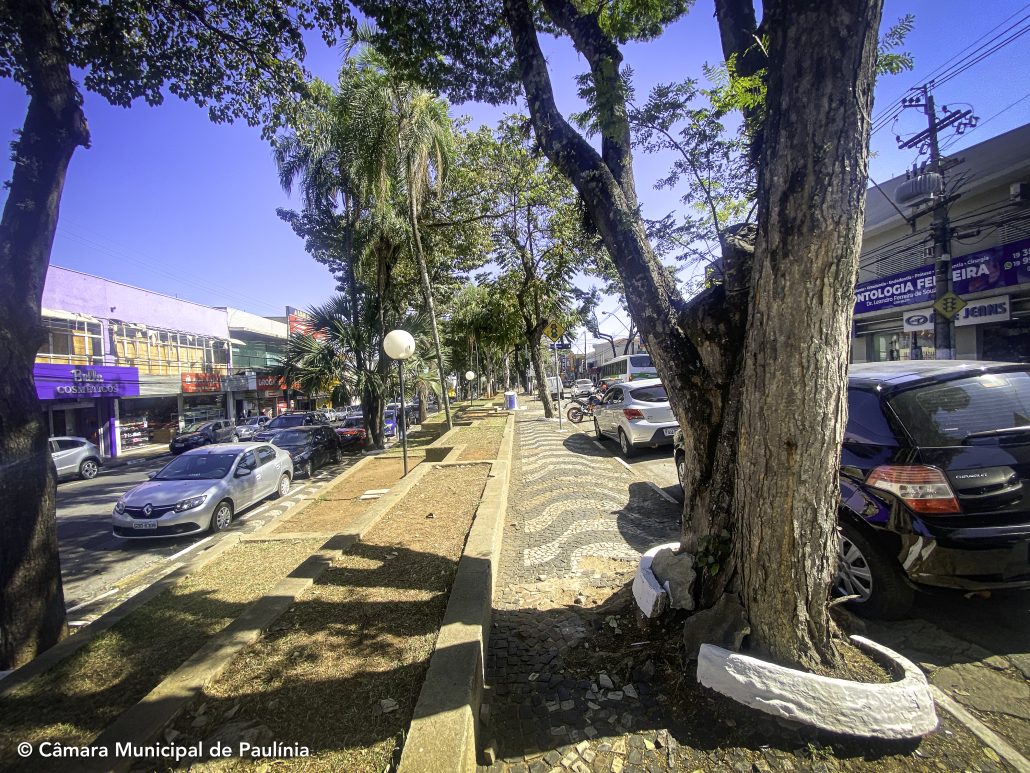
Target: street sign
(949, 304)
(559, 345)
(554, 330)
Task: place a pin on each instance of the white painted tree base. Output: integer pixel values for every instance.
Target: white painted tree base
(900, 709)
(649, 594)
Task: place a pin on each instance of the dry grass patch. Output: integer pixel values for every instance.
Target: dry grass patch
(361, 635)
(482, 440)
(340, 505)
(79, 697)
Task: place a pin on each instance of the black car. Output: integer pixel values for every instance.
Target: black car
(310, 447)
(934, 481)
(289, 421)
(202, 433)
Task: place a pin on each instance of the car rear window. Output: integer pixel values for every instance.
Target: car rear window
(866, 420)
(945, 414)
(651, 394)
(286, 421)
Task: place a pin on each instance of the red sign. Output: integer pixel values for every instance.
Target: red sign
(299, 323)
(201, 382)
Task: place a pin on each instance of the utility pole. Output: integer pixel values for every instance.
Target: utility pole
(934, 170)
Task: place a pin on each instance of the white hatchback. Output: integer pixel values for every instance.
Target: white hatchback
(637, 414)
(583, 387)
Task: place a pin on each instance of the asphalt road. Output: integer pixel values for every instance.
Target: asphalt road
(98, 567)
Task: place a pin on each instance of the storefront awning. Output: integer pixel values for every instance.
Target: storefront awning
(68, 315)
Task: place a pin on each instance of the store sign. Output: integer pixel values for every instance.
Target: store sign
(984, 310)
(995, 268)
(193, 383)
(300, 323)
(904, 289)
(241, 382)
(57, 382)
(998, 267)
(919, 319)
(268, 383)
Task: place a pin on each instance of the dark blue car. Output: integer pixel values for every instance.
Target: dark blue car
(934, 480)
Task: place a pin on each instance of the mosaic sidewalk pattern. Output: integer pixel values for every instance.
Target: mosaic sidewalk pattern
(577, 524)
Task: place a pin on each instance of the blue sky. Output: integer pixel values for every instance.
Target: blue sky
(168, 201)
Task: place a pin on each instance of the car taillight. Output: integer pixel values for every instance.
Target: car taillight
(925, 489)
(632, 413)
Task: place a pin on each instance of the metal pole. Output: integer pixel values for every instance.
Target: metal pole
(557, 378)
(404, 420)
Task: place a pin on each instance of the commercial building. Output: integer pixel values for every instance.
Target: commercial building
(990, 262)
(124, 366)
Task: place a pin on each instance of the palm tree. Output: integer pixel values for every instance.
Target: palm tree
(404, 135)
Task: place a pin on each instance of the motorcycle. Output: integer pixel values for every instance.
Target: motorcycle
(580, 409)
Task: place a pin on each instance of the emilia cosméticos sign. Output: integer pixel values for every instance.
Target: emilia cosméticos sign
(57, 382)
(997, 267)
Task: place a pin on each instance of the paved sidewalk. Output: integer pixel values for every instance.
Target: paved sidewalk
(577, 524)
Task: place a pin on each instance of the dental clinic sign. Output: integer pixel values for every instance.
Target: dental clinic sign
(994, 268)
(64, 382)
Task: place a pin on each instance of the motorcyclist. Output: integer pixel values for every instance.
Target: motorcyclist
(598, 395)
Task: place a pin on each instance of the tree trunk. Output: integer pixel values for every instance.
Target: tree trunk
(372, 410)
(812, 178)
(507, 373)
(420, 258)
(32, 615)
(762, 424)
(542, 389)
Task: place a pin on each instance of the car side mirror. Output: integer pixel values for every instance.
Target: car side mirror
(151, 475)
(242, 472)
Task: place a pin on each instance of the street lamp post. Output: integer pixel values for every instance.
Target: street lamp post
(399, 345)
(469, 375)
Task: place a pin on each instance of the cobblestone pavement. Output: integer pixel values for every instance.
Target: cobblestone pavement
(577, 523)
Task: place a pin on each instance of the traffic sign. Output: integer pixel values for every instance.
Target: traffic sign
(949, 305)
(554, 330)
(552, 347)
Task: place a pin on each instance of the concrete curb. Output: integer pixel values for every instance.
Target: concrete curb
(444, 727)
(83, 636)
(141, 723)
(901, 709)
(1002, 747)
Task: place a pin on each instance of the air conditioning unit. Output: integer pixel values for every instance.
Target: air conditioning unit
(1019, 193)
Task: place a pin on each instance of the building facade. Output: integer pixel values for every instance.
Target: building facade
(990, 262)
(123, 366)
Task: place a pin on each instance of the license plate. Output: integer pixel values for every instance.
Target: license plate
(144, 524)
(670, 431)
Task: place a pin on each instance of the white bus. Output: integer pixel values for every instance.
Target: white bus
(630, 367)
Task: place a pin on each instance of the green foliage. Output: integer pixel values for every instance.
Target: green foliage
(712, 552)
(889, 61)
(240, 58)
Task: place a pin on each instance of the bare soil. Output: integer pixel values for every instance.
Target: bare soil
(336, 508)
(79, 697)
(482, 440)
(714, 733)
(363, 634)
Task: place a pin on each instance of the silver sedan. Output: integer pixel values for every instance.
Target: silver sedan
(637, 414)
(202, 490)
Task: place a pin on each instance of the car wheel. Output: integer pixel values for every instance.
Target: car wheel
(305, 469)
(867, 571)
(234, 438)
(337, 456)
(681, 469)
(88, 469)
(598, 435)
(284, 487)
(222, 516)
(625, 446)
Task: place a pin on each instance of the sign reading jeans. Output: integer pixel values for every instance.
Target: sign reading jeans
(63, 382)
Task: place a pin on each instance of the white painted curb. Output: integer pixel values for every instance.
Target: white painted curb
(901, 709)
(650, 596)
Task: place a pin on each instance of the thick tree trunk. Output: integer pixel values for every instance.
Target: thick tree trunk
(372, 411)
(812, 179)
(427, 290)
(762, 430)
(32, 615)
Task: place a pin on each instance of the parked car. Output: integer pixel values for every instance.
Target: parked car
(249, 427)
(934, 481)
(583, 388)
(390, 420)
(309, 447)
(75, 456)
(202, 490)
(289, 421)
(203, 433)
(637, 414)
(556, 386)
(410, 412)
(351, 438)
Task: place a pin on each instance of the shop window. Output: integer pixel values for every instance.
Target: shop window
(903, 346)
(1007, 341)
(71, 342)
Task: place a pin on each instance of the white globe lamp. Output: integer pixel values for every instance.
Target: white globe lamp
(399, 345)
